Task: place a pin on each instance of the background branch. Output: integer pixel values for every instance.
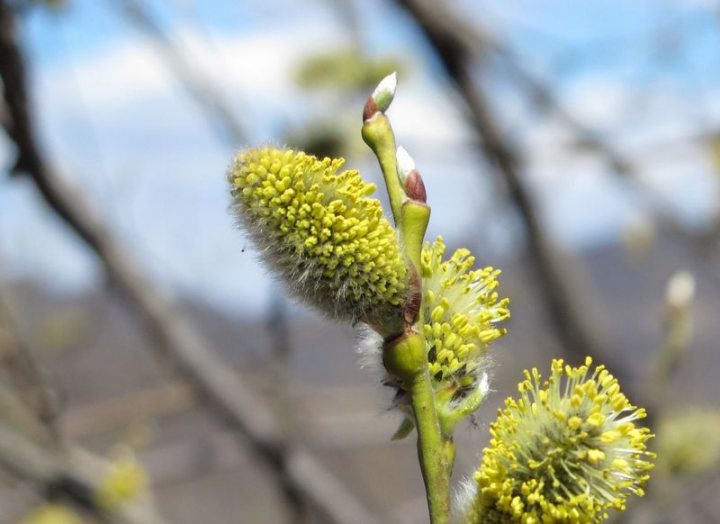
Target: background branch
(26, 376)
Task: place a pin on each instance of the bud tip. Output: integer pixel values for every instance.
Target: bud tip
(384, 92)
(405, 163)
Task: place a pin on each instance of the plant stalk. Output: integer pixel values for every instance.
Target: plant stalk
(431, 449)
(406, 356)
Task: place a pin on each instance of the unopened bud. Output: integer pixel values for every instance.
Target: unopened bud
(410, 177)
(405, 163)
(382, 97)
(415, 187)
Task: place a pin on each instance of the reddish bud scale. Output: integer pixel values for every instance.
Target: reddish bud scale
(370, 109)
(415, 187)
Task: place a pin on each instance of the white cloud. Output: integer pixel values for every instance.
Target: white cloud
(108, 80)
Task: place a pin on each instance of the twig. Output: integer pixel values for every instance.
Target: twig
(16, 412)
(174, 335)
(27, 376)
(283, 410)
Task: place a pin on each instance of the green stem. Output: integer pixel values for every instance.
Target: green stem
(436, 454)
(432, 451)
(413, 224)
(406, 358)
(378, 135)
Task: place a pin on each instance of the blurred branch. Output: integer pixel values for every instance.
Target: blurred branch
(206, 94)
(57, 477)
(16, 413)
(470, 41)
(31, 449)
(282, 400)
(443, 31)
(25, 373)
(620, 165)
(26, 404)
(327, 418)
(174, 335)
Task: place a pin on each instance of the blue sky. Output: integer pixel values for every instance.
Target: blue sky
(116, 123)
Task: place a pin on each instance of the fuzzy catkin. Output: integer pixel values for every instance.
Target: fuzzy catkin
(316, 228)
(463, 311)
(568, 450)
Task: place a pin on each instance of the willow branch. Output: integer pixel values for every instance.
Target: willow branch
(25, 373)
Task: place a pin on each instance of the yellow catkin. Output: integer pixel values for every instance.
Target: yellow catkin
(543, 468)
(462, 310)
(317, 229)
(124, 480)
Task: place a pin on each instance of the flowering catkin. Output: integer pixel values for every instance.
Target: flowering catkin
(317, 229)
(461, 311)
(568, 450)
